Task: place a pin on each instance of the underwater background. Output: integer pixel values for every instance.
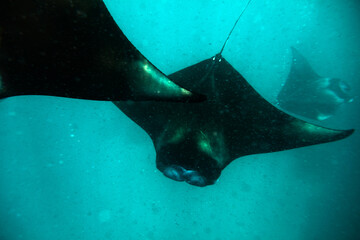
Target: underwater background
(76, 169)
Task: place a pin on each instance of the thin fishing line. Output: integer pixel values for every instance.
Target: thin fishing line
(222, 49)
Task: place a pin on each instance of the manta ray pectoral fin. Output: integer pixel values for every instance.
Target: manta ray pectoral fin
(301, 75)
(300, 68)
(256, 126)
(283, 133)
(75, 49)
(301, 133)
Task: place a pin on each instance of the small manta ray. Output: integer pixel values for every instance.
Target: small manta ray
(73, 48)
(307, 94)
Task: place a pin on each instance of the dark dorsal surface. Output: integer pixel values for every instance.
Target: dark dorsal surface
(73, 48)
(194, 142)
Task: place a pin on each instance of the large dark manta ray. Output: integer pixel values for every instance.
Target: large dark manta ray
(195, 142)
(73, 48)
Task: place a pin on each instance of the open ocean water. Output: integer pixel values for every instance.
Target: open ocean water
(76, 169)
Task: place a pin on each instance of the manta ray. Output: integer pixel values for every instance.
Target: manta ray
(307, 94)
(195, 138)
(195, 142)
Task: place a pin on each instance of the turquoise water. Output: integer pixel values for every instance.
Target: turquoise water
(75, 169)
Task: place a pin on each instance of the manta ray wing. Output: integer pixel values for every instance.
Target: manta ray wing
(301, 69)
(75, 49)
(262, 127)
(194, 142)
(301, 76)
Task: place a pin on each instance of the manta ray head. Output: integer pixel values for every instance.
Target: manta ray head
(194, 167)
(341, 89)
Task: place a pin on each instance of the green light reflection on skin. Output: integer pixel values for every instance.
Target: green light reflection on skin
(162, 80)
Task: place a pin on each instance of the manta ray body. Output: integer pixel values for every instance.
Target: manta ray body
(194, 142)
(307, 94)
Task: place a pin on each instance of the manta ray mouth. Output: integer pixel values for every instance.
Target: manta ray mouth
(180, 174)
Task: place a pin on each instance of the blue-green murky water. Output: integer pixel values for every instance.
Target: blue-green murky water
(75, 169)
